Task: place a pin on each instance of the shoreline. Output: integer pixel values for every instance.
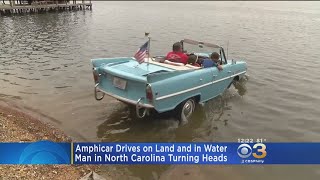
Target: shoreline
(18, 126)
(19, 123)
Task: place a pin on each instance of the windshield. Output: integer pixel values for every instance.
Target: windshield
(200, 50)
(190, 48)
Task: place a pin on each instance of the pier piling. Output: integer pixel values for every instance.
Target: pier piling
(38, 6)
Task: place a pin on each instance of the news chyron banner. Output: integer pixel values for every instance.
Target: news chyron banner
(47, 152)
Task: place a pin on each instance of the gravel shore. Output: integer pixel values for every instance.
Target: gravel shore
(16, 126)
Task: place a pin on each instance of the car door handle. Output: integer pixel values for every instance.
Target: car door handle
(214, 75)
(229, 71)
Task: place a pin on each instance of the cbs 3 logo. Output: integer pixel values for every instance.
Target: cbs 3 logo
(245, 150)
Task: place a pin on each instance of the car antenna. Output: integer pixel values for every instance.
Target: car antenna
(227, 49)
(146, 34)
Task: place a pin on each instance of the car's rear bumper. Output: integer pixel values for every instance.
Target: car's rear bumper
(125, 100)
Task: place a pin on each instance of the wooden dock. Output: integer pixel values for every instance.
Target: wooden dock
(43, 6)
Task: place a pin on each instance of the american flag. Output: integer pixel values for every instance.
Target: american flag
(141, 53)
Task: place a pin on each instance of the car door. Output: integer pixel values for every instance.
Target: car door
(221, 79)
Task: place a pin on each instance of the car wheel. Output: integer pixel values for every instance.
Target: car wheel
(185, 109)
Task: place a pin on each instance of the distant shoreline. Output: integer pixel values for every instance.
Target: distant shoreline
(42, 6)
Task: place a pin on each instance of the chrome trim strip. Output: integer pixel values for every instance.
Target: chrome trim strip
(125, 99)
(184, 91)
(194, 88)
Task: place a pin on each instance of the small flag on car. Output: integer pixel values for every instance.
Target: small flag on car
(142, 52)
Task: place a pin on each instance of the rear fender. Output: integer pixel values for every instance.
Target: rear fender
(196, 97)
(168, 105)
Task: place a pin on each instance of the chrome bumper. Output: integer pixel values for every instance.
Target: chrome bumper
(129, 101)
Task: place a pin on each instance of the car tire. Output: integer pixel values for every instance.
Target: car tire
(185, 109)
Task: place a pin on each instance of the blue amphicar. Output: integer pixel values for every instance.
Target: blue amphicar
(164, 85)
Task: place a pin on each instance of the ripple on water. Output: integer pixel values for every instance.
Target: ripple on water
(22, 92)
(61, 87)
(5, 80)
(36, 79)
(7, 74)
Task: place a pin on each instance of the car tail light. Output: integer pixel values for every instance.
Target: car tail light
(149, 94)
(95, 75)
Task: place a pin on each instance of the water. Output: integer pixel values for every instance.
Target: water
(45, 67)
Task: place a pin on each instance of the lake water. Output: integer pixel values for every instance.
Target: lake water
(45, 67)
